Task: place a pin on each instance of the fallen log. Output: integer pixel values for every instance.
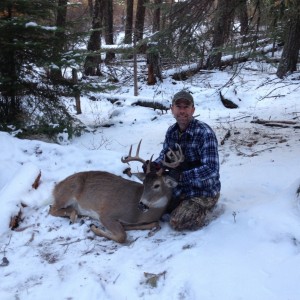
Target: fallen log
(154, 104)
(277, 123)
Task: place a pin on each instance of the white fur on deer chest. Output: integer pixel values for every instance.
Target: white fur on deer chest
(87, 212)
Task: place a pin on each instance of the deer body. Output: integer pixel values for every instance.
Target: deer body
(119, 204)
(112, 200)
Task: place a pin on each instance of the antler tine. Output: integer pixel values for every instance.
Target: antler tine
(129, 157)
(180, 152)
(178, 158)
(148, 170)
(138, 148)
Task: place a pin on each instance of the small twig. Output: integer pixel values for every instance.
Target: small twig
(88, 251)
(4, 251)
(31, 239)
(275, 96)
(239, 118)
(234, 120)
(114, 282)
(73, 242)
(69, 243)
(66, 249)
(226, 137)
(234, 215)
(23, 228)
(5, 261)
(298, 191)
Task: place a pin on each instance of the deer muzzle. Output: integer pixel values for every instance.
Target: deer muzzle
(143, 207)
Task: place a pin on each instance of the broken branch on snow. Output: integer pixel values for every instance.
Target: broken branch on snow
(277, 123)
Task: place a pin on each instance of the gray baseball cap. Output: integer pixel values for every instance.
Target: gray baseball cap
(183, 95)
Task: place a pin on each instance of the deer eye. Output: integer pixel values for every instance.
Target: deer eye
(156, 186)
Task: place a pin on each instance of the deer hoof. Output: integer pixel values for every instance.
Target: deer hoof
(154, 230)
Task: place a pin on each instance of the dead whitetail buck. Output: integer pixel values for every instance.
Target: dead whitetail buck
(119, 204)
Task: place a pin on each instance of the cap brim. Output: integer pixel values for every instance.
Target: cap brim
(184, 101)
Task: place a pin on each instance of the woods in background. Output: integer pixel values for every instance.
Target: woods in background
(40, 39)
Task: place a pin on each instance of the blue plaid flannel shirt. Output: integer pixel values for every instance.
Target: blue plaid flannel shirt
(198, 143)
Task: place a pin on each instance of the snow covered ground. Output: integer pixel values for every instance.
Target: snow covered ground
(250, 251)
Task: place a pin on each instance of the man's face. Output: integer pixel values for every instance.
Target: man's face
(183, 112)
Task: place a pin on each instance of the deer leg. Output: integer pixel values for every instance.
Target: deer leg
(64, 212)
(141, 226)
(113, 230)
(153, 227)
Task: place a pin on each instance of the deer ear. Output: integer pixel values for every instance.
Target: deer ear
(171, 182)
(141, 176)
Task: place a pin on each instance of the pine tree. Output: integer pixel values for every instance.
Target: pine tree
(28, 99)
(25, 39)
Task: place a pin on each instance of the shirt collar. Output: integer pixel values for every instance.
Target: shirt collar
(189, 129)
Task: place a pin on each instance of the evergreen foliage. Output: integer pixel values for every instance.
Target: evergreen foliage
(27, 97)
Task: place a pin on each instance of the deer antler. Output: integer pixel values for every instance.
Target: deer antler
(176, 157)
(129, 158)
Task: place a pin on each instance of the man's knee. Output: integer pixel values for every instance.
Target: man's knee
(191, 213)
(206, 202)
(187, 216)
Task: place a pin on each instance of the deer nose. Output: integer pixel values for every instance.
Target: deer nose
(143, 207)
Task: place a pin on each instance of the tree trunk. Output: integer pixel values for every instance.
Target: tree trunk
(58, 47)
(76, 91)
(243, 16)
(135, 79)
(93, 60)
(129, 22)
(258, 13)
(9, 100)
(156, 16)
(140, 19)
(289, 57)
(108, 28)
(153, 61)
(91, 7)
(221, 30)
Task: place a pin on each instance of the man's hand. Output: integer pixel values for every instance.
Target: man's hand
(175, 174)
